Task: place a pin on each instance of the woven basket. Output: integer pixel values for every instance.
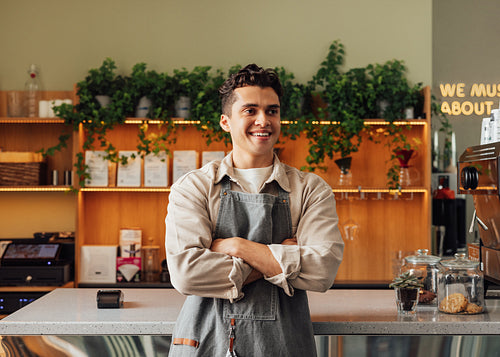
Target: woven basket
(15, 173)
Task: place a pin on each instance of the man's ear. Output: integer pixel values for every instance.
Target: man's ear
(224, 123)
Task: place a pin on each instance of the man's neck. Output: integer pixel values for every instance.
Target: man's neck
(252, 162)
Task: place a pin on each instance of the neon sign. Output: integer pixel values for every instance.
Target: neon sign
(466, 105)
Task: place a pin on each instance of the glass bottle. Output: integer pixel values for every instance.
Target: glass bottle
(32, 92)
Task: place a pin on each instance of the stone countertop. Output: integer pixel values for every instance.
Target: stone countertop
(154, 311)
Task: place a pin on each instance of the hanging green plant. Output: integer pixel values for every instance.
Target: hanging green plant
(295, 104)
(348, 98)
(157, 87)
(394, 95)
(392, 90)
(206, 109)
(97, 119)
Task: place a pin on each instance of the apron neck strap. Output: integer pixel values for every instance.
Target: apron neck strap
(226, 187)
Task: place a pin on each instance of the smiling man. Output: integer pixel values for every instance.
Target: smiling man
(248, 235)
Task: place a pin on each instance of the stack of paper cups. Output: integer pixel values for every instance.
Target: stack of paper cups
(43, 108)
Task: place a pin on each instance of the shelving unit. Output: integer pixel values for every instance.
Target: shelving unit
(33, 206)
(388, 220)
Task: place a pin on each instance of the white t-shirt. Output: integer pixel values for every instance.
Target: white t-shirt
(252, 180)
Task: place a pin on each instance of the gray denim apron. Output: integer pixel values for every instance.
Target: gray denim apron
(267, 322)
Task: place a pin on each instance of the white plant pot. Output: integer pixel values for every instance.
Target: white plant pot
(183, 107)
(143, 107)
(409, 113)
(383, 104)
(103, 100)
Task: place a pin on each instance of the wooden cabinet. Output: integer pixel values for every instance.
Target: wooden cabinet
(388, 221)
(28, 209)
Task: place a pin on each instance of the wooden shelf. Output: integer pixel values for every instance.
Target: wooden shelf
(125, 189)
(180, 121)
(35, 189)
(31, 121)
(388, 220)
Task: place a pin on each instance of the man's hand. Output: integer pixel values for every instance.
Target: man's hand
(290, 241)
(257, 255)
(226, 246)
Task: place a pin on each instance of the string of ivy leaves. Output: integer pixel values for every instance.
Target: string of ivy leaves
(346, 98)
(97, 120)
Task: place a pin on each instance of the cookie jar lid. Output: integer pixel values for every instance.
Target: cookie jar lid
(460, 262)
(422, 257)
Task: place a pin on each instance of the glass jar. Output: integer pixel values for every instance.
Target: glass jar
(460, 286)
(425, 267)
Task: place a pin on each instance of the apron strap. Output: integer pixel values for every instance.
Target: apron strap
(226, 186)
(282, 194)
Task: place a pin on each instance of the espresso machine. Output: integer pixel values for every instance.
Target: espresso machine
(479, 175)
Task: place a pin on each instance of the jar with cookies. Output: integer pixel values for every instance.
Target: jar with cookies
(426, 268)
(460, 286)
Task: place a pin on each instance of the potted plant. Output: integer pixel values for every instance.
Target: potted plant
(295, 103)
(206, 107)
(347, 99)
(394, 96)
(149, 89)
(407, 287)
(97, 120)
(101, 83)
(187, 85)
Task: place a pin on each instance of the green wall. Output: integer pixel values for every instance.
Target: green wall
(67, 37)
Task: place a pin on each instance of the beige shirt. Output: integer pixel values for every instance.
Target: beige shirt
(190, 225)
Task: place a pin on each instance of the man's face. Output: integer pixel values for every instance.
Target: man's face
(254, 125)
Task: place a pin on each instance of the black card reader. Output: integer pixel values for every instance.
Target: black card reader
(109, 299)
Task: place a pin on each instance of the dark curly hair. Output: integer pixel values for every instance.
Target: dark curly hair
(251, 75)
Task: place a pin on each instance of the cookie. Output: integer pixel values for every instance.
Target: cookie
(426, 297)
(453, 303)
(472, 308)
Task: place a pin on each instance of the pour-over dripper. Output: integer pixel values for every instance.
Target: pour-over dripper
(404, 157)
(408, 175)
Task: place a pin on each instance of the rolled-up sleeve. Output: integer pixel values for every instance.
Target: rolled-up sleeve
(314, 262)
(194, 269)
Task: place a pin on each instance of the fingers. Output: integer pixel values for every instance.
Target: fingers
(290, 241)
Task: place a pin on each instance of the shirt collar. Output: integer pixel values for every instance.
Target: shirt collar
(279, 172)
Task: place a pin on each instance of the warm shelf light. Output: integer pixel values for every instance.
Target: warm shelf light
(34, 189)
(31, 121)
(177, 121)
(366, 122)
(335, 190)
(125, 189)
(379, 190)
